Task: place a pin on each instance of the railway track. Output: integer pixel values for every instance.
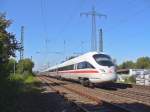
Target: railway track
(133, 103)
(129, 94)
(139, 93)
(84, 100)
(138, 88)
(132, 94)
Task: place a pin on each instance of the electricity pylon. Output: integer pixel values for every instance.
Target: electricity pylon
(22, 43)
(93, 13)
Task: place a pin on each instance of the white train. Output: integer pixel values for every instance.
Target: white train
(89, 68)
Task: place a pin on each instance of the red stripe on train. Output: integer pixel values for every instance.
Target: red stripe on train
(80, 71)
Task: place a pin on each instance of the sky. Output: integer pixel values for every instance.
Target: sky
(55, 30)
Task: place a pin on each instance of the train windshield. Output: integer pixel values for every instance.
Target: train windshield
(103, 60)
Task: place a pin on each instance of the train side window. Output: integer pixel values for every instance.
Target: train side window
(84, 65)
(88, 65)
(69, 67)
(51, 70)
(60, 69)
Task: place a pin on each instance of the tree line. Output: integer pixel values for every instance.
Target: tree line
(8, 47)
(140, 63)
(23, 66)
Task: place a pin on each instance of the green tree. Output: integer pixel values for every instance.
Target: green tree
(127, 65)
(8, 44)
(143, 63)
(10, 65)
(25, 66)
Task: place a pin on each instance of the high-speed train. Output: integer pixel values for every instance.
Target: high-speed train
(89, 68)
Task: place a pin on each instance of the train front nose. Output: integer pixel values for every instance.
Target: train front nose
(103, 77)
(108, 74)
(109, 77)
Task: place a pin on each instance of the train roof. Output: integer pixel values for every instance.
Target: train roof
(75, 60)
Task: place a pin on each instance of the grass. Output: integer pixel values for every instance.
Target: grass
(12, 87)
(129, 80)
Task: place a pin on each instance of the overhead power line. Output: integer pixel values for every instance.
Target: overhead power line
(129, 18)
(71, 16)
(44, 22)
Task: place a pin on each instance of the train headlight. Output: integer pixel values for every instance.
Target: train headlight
(102, 70)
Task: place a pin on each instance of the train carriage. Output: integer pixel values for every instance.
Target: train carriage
(91, 67)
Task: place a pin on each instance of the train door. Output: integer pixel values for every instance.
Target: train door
(74, 75)
(57, 73)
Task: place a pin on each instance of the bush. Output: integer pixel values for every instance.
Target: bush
(25, 79)
(25, 66)
(130, 79)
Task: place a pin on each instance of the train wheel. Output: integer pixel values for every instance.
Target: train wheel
(59, 78)
(84, 81)
(91, 85)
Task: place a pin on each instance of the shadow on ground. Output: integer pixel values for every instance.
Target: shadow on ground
(11, 90)
(54, 102)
